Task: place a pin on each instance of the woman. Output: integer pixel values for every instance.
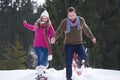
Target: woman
(43, 32)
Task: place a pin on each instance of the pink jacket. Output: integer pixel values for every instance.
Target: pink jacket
(40, 38)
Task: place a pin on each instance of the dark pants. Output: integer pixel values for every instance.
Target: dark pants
(69, 52)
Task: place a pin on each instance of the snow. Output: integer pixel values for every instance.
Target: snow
(53, 74)
(40, 2)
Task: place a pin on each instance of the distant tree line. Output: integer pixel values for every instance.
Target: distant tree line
(102, 16)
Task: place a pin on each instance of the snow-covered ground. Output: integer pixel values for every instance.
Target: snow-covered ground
(53, 74)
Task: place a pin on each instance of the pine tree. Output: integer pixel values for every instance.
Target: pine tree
(12, 14)
(15, 57)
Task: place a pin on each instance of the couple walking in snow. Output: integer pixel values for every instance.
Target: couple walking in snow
(45, 35)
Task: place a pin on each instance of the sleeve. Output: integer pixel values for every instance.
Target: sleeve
(28, 26)
(87, 30)
(60, 29)
(51, 31)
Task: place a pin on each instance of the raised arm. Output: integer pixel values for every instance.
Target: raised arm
(28, 26)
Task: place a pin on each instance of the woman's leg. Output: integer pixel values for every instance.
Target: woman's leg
(39, 54)
(45, 56)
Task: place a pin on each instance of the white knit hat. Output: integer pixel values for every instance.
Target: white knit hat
(44, 13)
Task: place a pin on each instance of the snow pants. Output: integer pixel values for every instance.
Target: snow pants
(42, 54)
(69, 52)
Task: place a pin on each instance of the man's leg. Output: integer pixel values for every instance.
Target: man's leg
(69, 57)
(82, 55)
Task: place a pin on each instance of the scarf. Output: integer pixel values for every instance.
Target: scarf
(71, 24)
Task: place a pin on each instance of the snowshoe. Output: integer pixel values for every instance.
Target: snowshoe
(41, 77)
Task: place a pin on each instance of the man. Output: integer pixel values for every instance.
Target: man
(73, 26)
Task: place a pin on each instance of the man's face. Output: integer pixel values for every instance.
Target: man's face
(72, 15)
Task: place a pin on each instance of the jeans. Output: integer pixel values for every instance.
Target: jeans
(69, 52)
(42, 54)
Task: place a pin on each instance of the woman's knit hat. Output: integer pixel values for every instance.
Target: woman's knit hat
(44, 13)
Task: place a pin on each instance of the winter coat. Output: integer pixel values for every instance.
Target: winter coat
(40, 37)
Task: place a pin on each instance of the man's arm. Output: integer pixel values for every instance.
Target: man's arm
(88, 32)
(59, 30)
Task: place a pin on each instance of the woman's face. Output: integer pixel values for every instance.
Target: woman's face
(72, 15)
(44, 18)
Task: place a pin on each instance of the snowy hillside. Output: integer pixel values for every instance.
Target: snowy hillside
(88, 74)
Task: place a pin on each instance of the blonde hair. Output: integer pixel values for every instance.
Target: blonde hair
(37, 23)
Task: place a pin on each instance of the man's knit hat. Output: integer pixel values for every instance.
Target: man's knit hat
(44, 13)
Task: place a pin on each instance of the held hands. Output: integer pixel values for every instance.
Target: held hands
(53, 40)
(94, 40)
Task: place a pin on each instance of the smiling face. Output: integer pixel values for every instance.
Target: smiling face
(71, 15)
(44, 19)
